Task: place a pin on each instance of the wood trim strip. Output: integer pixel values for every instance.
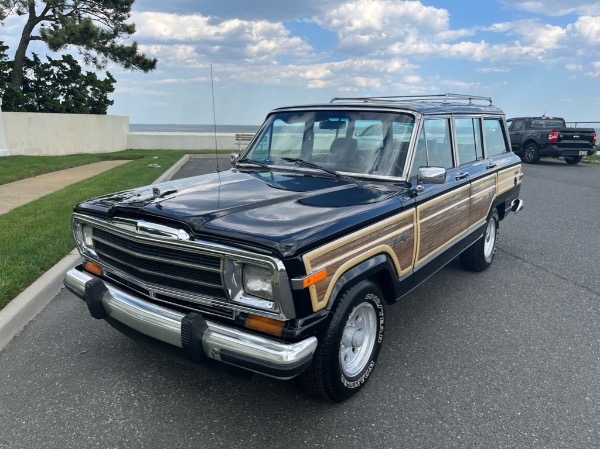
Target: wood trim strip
(350, 250)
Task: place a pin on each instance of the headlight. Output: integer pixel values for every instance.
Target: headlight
(258, 281)
(84, 238)
(87, 236)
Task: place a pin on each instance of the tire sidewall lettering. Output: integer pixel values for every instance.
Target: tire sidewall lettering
(360, 380)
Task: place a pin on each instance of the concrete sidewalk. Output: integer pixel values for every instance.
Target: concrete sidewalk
(18, 193)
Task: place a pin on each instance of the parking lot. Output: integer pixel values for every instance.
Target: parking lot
(507, 358)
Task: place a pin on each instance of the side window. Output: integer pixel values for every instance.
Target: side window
(437, 139)
(518, 125)
(495, 140)
(434, 147)
(420, 155)
(468, 139)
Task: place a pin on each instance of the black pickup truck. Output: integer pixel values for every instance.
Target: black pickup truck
(536, 137)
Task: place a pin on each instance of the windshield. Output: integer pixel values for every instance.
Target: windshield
(356, 142)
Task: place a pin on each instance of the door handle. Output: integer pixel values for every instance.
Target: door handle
(461, 176)
(489, 165)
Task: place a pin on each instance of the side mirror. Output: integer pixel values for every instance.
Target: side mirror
(431, 175)
(233, 158)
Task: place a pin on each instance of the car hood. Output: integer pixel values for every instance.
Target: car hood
(283, 212)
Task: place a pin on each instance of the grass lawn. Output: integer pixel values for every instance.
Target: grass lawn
(593, 159)
(34, 237)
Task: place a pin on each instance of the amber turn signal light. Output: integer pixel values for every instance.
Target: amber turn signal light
(314, 278)
(268, 325)
(93, 268)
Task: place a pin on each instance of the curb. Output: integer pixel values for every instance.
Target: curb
(25, 307)
(174, 168)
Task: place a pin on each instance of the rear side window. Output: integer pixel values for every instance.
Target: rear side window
(494, 137)
(518, 125)
(468, 139)
(546, 123)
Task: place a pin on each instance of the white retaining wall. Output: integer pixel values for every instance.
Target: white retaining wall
(35, 133)
(181, 141)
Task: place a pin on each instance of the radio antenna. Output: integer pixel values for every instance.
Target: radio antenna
(212, 91)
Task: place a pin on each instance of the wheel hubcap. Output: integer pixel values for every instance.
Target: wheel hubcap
(358, 339)
(490, 239)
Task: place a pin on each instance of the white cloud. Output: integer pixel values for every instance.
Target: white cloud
(587, 29)
(492, 70)
(595, 72)
(556, 7)
(374, 26)
(228, 39)
(532, 33)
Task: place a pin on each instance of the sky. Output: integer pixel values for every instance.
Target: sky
(531, 56)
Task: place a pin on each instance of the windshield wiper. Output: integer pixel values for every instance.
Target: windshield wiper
(303, 163)
(253, 162)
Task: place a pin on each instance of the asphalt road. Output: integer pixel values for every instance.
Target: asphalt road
(508, 358)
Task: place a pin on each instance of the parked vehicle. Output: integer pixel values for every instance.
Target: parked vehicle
(535, 137)
(285, 264)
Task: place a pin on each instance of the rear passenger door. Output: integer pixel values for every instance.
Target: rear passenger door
(468, 132)
(517, 131)
(442, 209)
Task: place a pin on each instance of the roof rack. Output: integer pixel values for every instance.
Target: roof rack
(438, 98)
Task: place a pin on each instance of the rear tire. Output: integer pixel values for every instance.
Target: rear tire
(346, 355)
(531, 153)
(573, 160)
(480, 255)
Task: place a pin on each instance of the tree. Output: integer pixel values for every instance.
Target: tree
(57, 85)
(96, 28)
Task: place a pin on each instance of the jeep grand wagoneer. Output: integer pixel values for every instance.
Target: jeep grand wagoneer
(285, 264)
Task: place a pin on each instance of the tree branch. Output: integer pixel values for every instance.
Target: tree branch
(31, 6)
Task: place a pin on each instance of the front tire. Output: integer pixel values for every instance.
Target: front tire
(573, 160)
(346, 356)
(480, 255)
(531, 153)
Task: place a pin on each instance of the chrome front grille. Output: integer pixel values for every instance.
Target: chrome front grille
(187, 279)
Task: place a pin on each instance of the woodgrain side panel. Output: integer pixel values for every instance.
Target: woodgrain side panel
(437, 226)
(394, 236)
(483, 192)
(509, 178)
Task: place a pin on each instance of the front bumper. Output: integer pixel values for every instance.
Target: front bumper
(199, 339)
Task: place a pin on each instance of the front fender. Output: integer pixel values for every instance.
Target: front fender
(379, 267)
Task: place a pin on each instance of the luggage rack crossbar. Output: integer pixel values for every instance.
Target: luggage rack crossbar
(448, 98)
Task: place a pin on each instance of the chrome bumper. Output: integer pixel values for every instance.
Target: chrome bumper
(219, 342)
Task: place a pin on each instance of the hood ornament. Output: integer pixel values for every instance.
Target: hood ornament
(157, 230)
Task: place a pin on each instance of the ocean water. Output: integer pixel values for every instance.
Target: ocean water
(172, 128)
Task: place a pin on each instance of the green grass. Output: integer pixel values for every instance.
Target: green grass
(593, 159)
(34, 237)
(14, 168)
